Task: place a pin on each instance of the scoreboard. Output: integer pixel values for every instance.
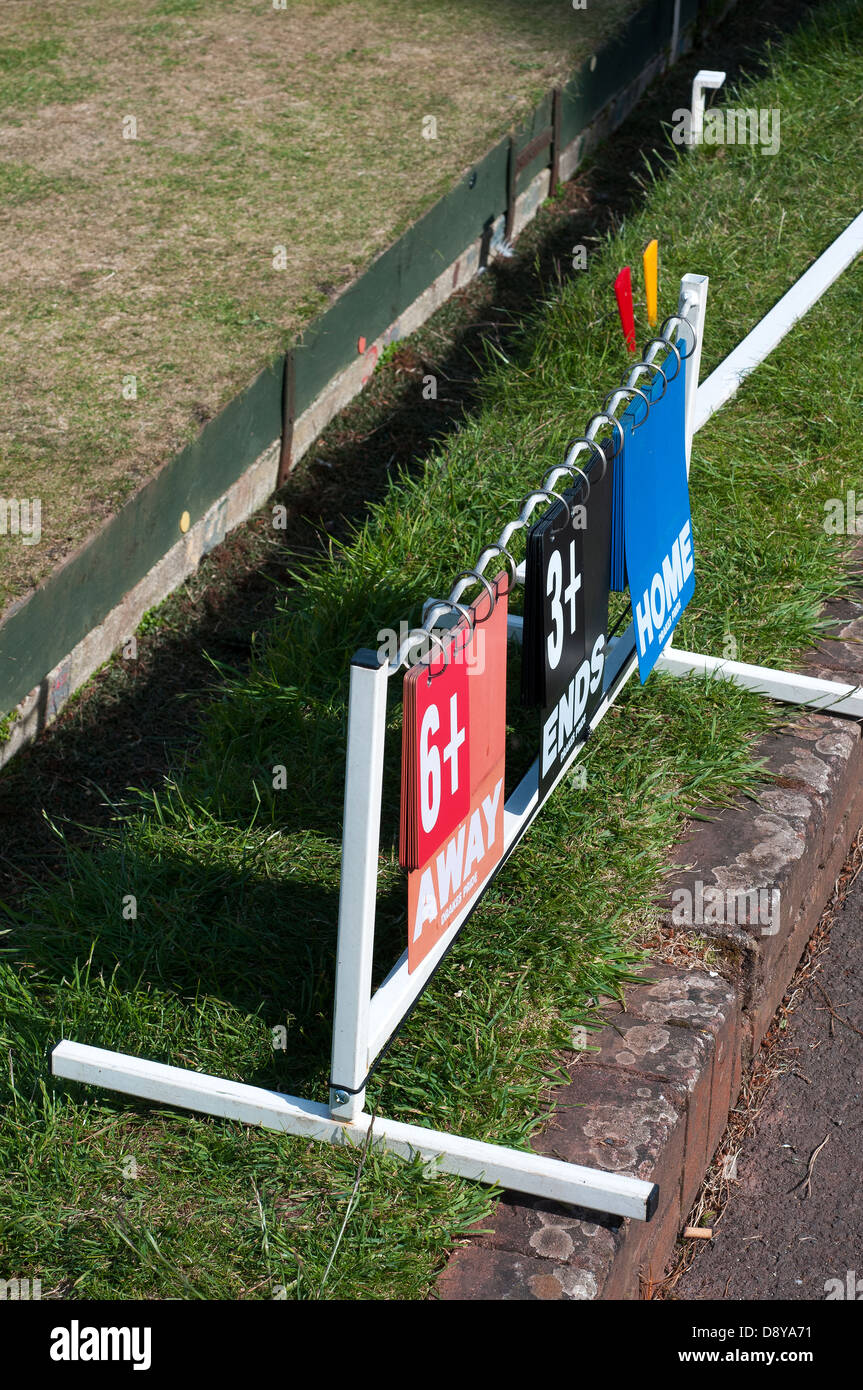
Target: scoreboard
(623, 520)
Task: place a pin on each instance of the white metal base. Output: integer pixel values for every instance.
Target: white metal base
(833, 697)
(444, 1153)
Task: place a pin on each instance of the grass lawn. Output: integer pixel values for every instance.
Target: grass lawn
(152, 257)
(236, 884)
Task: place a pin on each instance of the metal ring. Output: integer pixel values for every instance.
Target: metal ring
(666, 343)
(585, 477)
(597, 449)
(675, 318)
(481, 579)
(426, 635)
(502, 550)
(542, 492)
(548, 492)
(654, 366)
(457, 608)
(603, 415)
(574, 468)
(636, 390)
(570, 468)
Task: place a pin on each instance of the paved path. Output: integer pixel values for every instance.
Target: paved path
(777, 1237)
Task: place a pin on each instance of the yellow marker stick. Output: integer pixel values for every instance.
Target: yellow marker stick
(651, 279)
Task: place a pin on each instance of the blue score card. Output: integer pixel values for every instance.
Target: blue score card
(657, 524)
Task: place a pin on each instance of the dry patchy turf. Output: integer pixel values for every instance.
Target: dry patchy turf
(152, 257)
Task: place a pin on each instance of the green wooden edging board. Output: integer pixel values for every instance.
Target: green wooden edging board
(41, 630)
(78, 596)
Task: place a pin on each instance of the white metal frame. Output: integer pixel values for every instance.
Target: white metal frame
(831, 697)
(703, 401)
(363, 1022)
(722, 384)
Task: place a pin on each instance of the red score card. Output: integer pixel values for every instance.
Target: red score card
(435, 752)
(466, 841)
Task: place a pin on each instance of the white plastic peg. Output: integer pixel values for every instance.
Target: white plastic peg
(705, 80)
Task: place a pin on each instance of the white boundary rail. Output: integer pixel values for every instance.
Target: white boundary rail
(722, 384)
(363, 1022)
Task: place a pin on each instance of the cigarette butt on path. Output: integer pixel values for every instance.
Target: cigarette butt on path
(698, 1233)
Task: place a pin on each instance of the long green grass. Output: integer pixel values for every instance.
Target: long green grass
(234, 885)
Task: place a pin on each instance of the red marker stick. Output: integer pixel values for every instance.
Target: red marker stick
(623, 291)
